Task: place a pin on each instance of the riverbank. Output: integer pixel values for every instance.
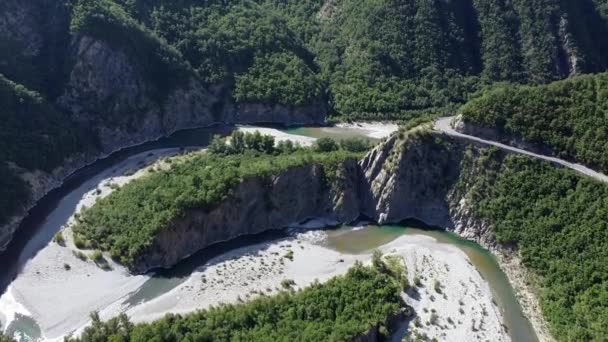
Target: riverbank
(524, 286)
(452, 299)
(49, 273)
(59, 287)
(460, 306)
(373, 129)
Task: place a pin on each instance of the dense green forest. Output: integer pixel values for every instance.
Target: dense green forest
(356, 59)
(559, 221)
(570, 116)
(201, 181)
(342, 308)
(378, 59)
(365, 58)
(29, 123)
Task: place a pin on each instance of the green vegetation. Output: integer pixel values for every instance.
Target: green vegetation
(357, 59)
(33, 136)
(241, 142)
(558, 220)
(4, 338)
(96, 256)
(288, 283)
(59, 239)
(437, 286)
(570, 116)
(325, 145)
(279, 78)
(162, 64)
(126, 222)
(366, 59)
(80, 255)
(338, 310)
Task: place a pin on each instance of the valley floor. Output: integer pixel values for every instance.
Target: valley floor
(460, 307)
(58, 290)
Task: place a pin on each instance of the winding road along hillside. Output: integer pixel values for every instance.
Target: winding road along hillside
(444, 125)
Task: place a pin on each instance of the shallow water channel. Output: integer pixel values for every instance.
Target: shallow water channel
(53, 211)
(361, 240)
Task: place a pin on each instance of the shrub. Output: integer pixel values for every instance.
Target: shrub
(80, 255)
(287, 283)
(59, 239)
(355, 144)
(437, 286)
(325, 144)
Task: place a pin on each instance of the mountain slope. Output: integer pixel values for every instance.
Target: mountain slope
(569, 118)
(134, 70)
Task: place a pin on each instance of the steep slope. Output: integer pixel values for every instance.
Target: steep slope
(114, 82)
(566, 118)
(159, 219)
(548, 219)
(133, 70)
(553, 218)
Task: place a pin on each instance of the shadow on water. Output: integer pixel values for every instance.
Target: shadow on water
(54, 209)
(165, 280)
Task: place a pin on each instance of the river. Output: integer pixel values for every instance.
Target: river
(53, 211)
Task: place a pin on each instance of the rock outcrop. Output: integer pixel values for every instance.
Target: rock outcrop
(256, 205)
(424, 176)
(103, 87)
(410, 178)
(417, 175)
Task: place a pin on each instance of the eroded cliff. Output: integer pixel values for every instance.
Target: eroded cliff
(115, 82)
(259, 204)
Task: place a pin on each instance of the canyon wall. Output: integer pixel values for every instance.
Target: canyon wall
(256, 205)
(109, 90)
(419, 175)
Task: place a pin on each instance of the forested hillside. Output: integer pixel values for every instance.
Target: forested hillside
(386, 58)
(570, 117)
(558, 220)
(132, 70)
(33, 136)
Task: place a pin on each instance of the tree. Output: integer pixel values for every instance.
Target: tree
(218, 145)
(325, 144)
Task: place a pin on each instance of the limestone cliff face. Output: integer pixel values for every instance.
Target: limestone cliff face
(256, 205)
(410, 178)
(417, 175)
(105, 89)
(423, 176)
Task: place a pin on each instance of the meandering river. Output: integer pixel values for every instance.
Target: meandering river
(53, 211)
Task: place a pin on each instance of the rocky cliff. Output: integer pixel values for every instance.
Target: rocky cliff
(256, 205)
(425, 176)
(419, 175)
(110, 91)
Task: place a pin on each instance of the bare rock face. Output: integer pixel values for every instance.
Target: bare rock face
(422, 176)
(256, 205)
(18, 24)
(410, 178)
(105, 89)
(415, 175)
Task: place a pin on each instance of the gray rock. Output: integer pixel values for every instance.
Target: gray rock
(256, 205)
